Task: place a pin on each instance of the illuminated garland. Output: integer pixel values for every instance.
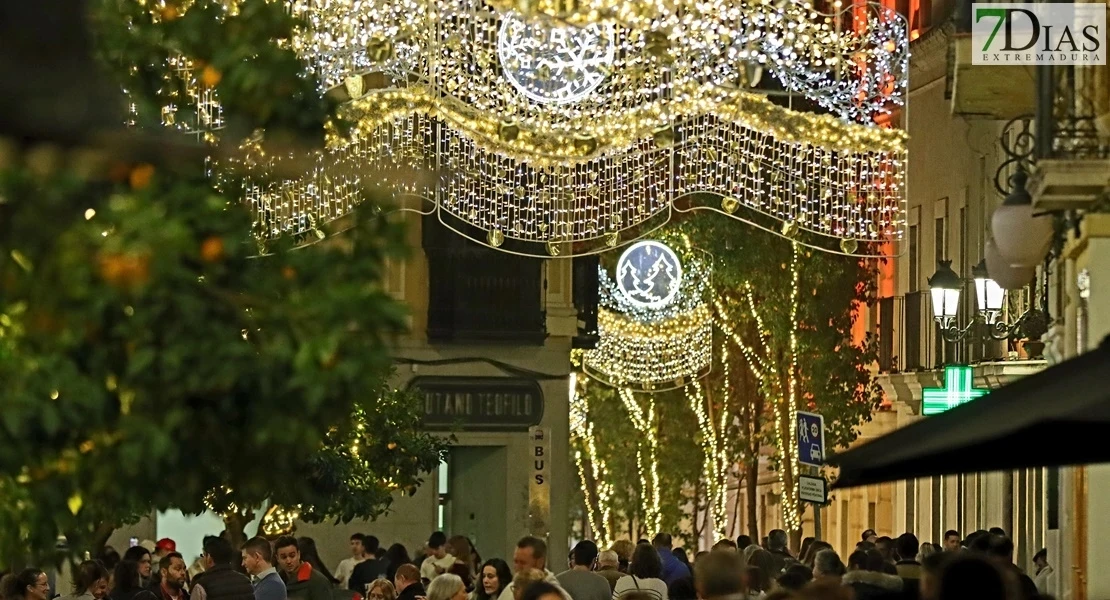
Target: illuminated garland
(656, 356)
(716, 460)
(673, 120)
(645, 422)
(280, 520)
(780, 390)
(582, 431)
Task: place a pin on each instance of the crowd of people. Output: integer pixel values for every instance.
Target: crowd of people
(978, 567)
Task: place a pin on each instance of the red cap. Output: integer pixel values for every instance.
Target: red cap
(166, 544)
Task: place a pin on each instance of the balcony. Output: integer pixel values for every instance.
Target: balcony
(1001, 92)
(1072, 171)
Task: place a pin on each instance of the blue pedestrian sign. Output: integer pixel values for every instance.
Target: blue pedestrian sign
(811, 439)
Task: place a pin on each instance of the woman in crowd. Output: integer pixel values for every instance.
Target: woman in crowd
(28, 584)
(397, 555)
(446, 587)
(524, 579)
(309, 554)
(141, 557)
(493, 578)
(90, 581)
(381, 589)
(127, 582)
(827, 566)
(644, 575)
(867, 578)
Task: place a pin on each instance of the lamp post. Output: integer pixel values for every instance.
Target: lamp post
(945, 286)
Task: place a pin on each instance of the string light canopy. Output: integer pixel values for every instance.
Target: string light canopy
(664, 342)
(559, 138)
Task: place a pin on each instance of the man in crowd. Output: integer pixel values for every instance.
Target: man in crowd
(258, 562)
(531, 553)
(579, 581)
(869, 535)
(220, 580)
(171, 584)
(720, 575)
(301, 581)
(608, 566)
(1001, 552)
(347, 565)
(906, 547)
(370, 568)
(407, 583)
(673, 569)
(163, 547)
(438, 560)
(780, 556)
(952, 540)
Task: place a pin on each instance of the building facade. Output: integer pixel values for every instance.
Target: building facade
(489, 350)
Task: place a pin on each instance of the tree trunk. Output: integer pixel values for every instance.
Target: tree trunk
(751, 479)
(235, 526)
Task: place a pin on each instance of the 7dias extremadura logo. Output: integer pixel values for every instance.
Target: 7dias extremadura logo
(1039, 34)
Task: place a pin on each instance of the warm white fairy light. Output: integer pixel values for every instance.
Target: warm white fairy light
(716, 460)
(651, 356)
(647, 458)
(582, 430)
(781, 392)
(672, 119)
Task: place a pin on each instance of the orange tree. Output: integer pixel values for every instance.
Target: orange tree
(150, 358)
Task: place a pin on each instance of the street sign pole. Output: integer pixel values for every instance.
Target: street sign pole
(810, 434)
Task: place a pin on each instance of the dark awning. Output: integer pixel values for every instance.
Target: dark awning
(1059, 416)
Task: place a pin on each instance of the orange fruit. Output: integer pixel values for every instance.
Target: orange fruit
(210, 76)
(392, 445)
(212, 249)
(140, 176)
(170, 12)
(288, 272)
(119, 172)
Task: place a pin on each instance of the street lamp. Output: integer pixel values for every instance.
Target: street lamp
(988, 293)
(945, 286)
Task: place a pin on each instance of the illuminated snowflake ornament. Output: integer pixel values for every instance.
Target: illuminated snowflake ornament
(554, 64)
(567, 136)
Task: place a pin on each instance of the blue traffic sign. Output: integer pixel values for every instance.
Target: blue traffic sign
(811, 439)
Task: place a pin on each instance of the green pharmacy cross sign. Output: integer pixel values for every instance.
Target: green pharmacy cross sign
(957, 390)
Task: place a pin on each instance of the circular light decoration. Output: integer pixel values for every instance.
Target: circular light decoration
(553, 64)
(649, 274)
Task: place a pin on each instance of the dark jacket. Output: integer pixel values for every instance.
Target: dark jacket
(780, 559)
(412, 592)
(910, 572)
(135, 594)
(307, 584)
(222, 582)
(156, 588)
(873, 585)
(365, 573)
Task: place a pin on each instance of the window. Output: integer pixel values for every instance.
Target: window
(1052, 490)
(911, 504)
(913, 259)
(937, 501)
(940, 241)
(510, 287)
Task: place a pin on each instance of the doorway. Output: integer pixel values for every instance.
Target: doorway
(476, 501)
